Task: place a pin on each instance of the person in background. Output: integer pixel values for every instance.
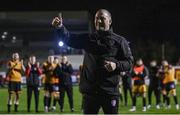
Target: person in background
(127, 86)
(1, 81)
(33, 73)
(120, 91)
(178, 62)
(155, 84)
(167, 74)
(139, 74)
(66, 83)
(48, 70)
(14, 74)
(55, 83)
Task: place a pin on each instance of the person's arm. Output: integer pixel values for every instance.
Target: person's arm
(44, 69)
(78, 41)
(132, 73)
(38, 68)
(20, 69)
(27, 72)
(23, 69)
(125, 61)
(146, 72)
(70, 69)
(73, 40)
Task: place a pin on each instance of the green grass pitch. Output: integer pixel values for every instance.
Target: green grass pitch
(77, 104)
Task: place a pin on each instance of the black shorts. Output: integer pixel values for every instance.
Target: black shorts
(14, 86)
(169, 86)
(162, 86)
(48, 87)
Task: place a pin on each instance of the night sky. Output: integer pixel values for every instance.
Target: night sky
(158, 20)
(155, 19)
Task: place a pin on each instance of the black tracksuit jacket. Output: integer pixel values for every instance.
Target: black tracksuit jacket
(66, 71)
(100, 47)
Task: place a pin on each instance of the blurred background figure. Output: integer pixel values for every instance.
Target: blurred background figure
(33, 73)
(120, 90)
(155, 84)
(167, 74)
(2, 81)
(178, 62)
(127, 86)
(66, 83)
(14, 74)
(55, 83)
(48, 70)
(139, 74)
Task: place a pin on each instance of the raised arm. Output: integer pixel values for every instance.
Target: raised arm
(79, 41)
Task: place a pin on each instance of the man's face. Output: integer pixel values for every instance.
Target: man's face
(64, 59)
(102, 21)
(164, 63)
(51, 59)
(139, 62)
(32, 60)
(56, 60)
(15, 56)
(153, 63)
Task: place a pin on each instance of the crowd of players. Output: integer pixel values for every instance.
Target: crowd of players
(55, 74)
(161, 82)
(56, 77)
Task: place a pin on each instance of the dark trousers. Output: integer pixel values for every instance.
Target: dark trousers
(82, 102)
(92, 104)
(69, 90)
(157, 93)
(125, 91)
(30, 89)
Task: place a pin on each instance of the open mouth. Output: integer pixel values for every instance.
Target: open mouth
(101, 28)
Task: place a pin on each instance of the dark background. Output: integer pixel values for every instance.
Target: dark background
(147, 24)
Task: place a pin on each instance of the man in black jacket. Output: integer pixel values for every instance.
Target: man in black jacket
(33, 72)
(66, 83)
(155, 84)
(107, 54)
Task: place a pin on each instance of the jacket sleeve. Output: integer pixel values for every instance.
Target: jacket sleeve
(78, 41)
(125, 61)
(44, 69)
(39, 70)
(146, 71)
(58, 71)
(132, 73)
(27, 72)
(70, 69)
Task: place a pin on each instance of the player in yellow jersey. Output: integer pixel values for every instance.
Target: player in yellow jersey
(14, 73)
(48, 70)
(167, 73)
